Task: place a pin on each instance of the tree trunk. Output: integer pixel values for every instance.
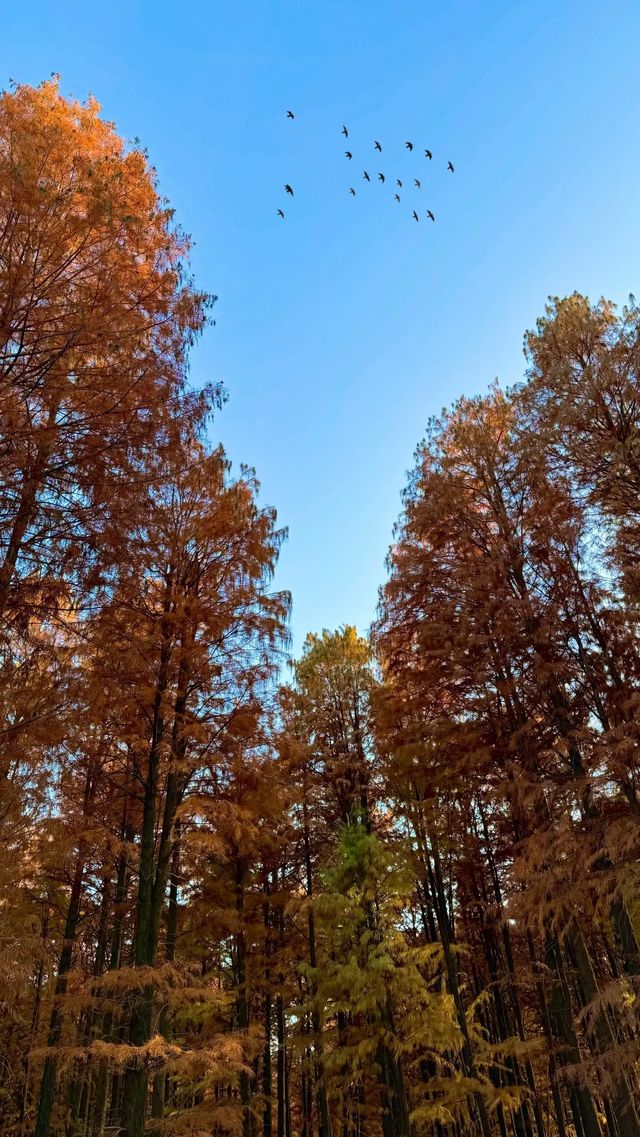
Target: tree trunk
(164, 1025)
(584, 1112)
(134, 1096)
(242, 1002)
(48, 1085)
(80, 1087)
(101, 1097)
(281, 1061)
(35, 1020)
(281, 1068)
(621, 1098)
(267, 1077)
(433, 887)
(324, 1127)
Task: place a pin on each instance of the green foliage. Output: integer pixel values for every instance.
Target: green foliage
(388, 992)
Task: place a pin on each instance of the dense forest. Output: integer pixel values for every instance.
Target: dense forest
(388, 889)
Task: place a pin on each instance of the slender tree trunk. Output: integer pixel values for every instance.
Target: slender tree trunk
(35, 1020)
(267, 1077)
(164, 1025)
(434, 887)
(324, 1127)
(48, 1085)
(101, 1097)
(79, 1090)
(287, 1128)
(306, 1097)
(150, 901)
(281, 1061)
(242, 1002)
(395, 1116)
(584, 1112)
(621, 1098)
(134, 1095)
(281, 1068)
(511, 971)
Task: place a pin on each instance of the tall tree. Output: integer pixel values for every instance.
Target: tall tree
(96, 315)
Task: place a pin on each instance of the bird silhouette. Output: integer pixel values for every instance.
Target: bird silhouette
(415, 216)
(397, 196)
(417, 183)
(450, 167)
(348, 154)
(428, 154)
(366, 176)
(290, 114)
(351, 190)
(378, 146)
(381, 178)
(345, 132)
(409, 145)
(430, 214)
(398, 182)
(281, 214)
(287, 189)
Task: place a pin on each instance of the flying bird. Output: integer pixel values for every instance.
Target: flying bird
(351, 190)
(398, 182)
(417, 183)
(378, 146)
(348, 154)
(409, 145)
(287, 189)
(290, 114)
(345, 132)
(450, 167)
(415, 216)
(430, 214)
(381, 178)
(397, 196)
(428, 154)
(366, 176)
(281, 214)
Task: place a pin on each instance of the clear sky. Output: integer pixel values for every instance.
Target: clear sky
(342, 329)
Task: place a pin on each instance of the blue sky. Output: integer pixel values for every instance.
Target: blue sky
(340, 331)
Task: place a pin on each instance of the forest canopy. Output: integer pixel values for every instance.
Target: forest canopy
(390, 891)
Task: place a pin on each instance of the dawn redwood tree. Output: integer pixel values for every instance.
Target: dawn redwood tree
(484, 621)
(582, 394)
(327, 741)
(374, 1014)
(312, 835)
(235, 920)
(97, 312)
(189, 637)
(581, 397)
(334, 680)
(175, 660)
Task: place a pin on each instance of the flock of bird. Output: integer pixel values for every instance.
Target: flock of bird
(417, 184)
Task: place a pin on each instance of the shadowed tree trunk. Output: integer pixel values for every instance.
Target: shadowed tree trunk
(48, 1085)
